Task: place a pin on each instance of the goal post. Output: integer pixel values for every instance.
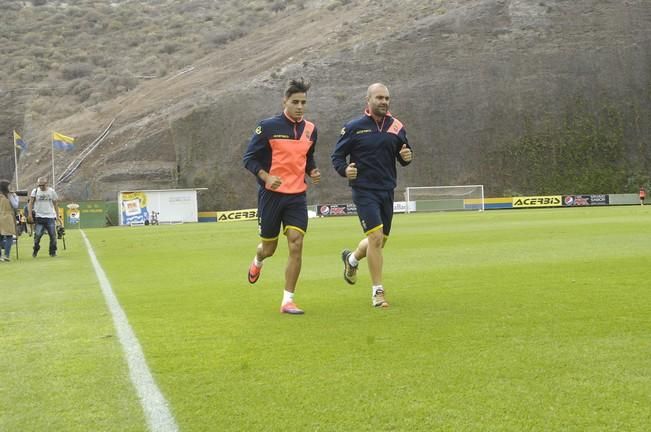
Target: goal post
(444, 198)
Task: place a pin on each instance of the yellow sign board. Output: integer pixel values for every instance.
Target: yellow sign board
(237, 215)
(538, 201)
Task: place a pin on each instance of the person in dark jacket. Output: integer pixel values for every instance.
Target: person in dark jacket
(281, 154)
(366, 155)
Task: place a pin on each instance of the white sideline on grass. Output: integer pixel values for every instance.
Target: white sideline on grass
(157, 412)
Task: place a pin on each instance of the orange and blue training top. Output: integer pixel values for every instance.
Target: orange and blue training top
(374, 147)
(284, 148)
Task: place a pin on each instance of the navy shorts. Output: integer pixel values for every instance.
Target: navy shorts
(374, 208)
(275, 209)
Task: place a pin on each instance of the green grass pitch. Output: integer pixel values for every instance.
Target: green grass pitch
(517, 320)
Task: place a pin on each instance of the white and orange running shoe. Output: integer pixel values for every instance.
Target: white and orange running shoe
(291, 308)
(379, 300)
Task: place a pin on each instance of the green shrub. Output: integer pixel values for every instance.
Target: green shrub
(169, 48)
(582, 152)
(278, 6)
(75, 70)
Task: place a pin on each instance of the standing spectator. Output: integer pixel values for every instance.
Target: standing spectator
(8, 206)
(280, 154)
(366, 155)
(43, 202)
(642, 195)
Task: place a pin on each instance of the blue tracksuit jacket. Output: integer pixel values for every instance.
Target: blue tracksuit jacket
(374, 148)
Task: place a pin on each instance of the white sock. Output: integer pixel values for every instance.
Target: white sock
(288, 297)
(256, 262)
(352, 260)
(376, 288)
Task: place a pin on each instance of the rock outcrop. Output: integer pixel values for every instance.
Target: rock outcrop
(466, 78)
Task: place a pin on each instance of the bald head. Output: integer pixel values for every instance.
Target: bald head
(374, 87)
(377, 99)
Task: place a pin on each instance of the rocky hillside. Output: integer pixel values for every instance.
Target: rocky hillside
(521, 96)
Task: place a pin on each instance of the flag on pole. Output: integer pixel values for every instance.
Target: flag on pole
(19, 143)
(62, 142)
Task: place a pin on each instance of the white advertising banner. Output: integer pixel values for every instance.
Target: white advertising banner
(162, 206)
(401, 206)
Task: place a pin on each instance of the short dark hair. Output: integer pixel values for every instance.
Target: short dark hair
(297, 86)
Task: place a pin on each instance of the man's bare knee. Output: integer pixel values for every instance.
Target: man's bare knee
(267, 248)
(294, 241)
(376, 239)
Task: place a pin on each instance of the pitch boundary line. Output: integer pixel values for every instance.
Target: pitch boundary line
(156, 409)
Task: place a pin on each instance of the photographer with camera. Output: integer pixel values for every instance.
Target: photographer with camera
(8, 204)
(43, 212)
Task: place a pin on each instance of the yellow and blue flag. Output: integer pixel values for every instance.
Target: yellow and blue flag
(62, 142)
(19, 143)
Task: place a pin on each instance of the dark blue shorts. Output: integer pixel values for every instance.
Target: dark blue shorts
(275, 209)
(374, 208)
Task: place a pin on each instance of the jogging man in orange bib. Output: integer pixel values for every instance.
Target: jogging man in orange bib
(280, 154)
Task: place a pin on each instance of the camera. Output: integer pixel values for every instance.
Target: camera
(61, 231)
(21, 193)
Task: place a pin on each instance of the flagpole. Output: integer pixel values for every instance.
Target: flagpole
(54, 181)
(16, 161)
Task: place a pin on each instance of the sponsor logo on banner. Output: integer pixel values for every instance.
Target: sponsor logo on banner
(134, 207)
(599, 199)
(576, 200)
(351, 209)
(237, 215)
(335, 209)
(537, 201)
(401, 206)
(73, 213)
(581, 200)
(584, 200)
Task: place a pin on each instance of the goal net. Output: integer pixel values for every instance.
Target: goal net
(444, 198)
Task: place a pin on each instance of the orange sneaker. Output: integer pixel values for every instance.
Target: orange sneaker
(291, 308)
(254, 273)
